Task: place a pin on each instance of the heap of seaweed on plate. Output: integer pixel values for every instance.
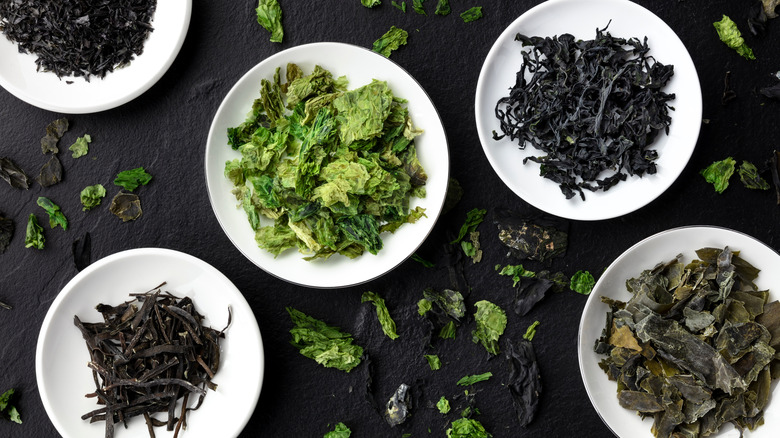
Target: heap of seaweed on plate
(695, 347)
(150, 355)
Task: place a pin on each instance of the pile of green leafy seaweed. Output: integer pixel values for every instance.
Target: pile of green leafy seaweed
(333, 168)
(697, 346)
(592, 106)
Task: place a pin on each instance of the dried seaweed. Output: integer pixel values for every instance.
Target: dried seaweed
(146, 355)
(532, 237)
(6, 232)
(70, 38)
(54, 132)
(694, 345)
(82, 251)
(13, 175)
(525, 382)
(51, 172)
(126, 206)
(592, 106)
(399, 407)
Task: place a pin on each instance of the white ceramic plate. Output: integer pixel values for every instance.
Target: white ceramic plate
(19, 77)
(646, 254)
(61, 357)
(360, 66)
(581, 18)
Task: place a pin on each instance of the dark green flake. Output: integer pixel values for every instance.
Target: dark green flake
(51, 172)
(269, 15)
(126, 206)
(418, 7)
(131, 179)
(582, 282)
(472, 14)
(390, 41)
(517, 272)
(718, 173)
(474, 378)
(433, 361)
(422, 261)
(13, 175)
(54, 131)
(443, 7)
(327, 345)
(33, 237)
(8, 409)
(401, 6)
(748, 174)
(473, 218)
(56, 217)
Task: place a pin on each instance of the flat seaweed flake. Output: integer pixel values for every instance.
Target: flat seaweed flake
(54, 131)
(491, 322)
(386, 321)
(269, 15)
(399, 407)
(340, 431)
(126, 206)
(327, 345)
(531, 237)
(390, 41)
(729, 34)
(593, 107)
(748, 174)
(694, 346)
(51, 172)
(7, 408)
(525, 382)
(13, 175)
(467, 428)
(718, 173)
(56, 217)
(147, 355)
(33, 237)
(68, 37)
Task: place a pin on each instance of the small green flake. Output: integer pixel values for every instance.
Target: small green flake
(467, 428)
(390, 41)
(531, 331)
(719, 172)
(388, 325)
(370, 3)
(33, 237)
(474, 378)
(7, 408)
(131, 179)
(401, 6)
(81, 146)
(418, 7)
(443, 7)
(56, 217)
(448, 331)
(748, 174)
(433, 361)
(491, 322)
(473, 218)
(582, 282)
(443, 405)
(517, 272)
(326, 345)
(423, 306)
(341, 431)
(269, 15)
(472, 14)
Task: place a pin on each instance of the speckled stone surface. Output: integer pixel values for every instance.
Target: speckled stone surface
(165, 131)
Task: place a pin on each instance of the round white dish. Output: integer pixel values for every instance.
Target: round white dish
(360, 66)
(61, 355)
(45, 90)
(581, 19)
(644, 255)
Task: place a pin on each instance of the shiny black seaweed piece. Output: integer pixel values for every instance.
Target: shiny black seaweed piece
(532, 237)
(82, 251)
(593, 107)
(525, 382)
(78, 37)
(13, 175)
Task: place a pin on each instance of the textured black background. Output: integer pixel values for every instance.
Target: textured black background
(165, 131)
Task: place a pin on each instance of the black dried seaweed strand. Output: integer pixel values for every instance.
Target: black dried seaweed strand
(592, 106)
(148, 354)
(78, 37)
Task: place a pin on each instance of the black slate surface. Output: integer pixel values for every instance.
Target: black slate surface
(165, 131)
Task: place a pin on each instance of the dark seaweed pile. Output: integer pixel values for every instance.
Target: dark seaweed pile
(148, 354)
(592, 106)
(78, 37)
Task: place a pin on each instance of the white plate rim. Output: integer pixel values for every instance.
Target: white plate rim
(163, 44)
(725, 237)
(239, 305)
(597, 205)
(433, 209)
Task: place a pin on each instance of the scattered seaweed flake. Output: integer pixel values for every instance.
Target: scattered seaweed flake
(148, 354)
(525, 382)
(13, 175)
(126, 206)
(593, 108)
(54, 132)
(532, 238)
(694, 347)
(6, 232)
(51, 172)
(68, 38)
(82, 251)
(399, 406)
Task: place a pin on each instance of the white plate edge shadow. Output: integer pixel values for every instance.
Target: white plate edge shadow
(243, 321)
(81, 97)
(543, 193)
(290, 266)
(601, 391)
